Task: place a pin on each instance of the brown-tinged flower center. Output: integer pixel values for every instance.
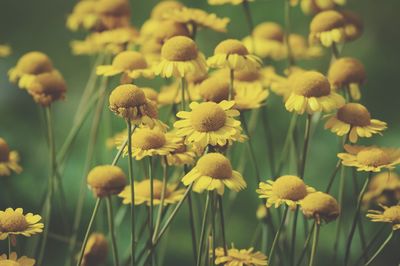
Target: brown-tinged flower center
(129, 60)
(207, 117)
(231, 46)
(247, 75)
(34, 63)
(96, 250)
(311, 84)
(51, 83)
(269, 31)
(115, 8)
(4, 151)
(214, 89)
(170, 29)
(106, 179)
(143, 189)
(354, 114)
(345, 71)
(179, 48)
(289, 187)
(321, 204)
(373, 157)
(393, 213)
(13, 222)
(126, 96)
(181, 149)
(215, 165)
(326, 21)
(147, 139)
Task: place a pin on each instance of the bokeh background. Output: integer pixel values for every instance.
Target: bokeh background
(40, 25)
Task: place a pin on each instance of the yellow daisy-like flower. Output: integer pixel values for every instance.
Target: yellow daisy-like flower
(131, 63)
(249, 98)
(311, 93)
(9, 160)
(234, 55)
(327, 27)
(96, 250)
(354, 25)
(152, 142)
(215, 89)
(384, 188)
(281, 85)
(209, 123)
(301, 49)
(355, 120)
(388, 215)
(371, 158)
(320, 206)
(113, 14)
(287, 189)
(143, 196)
(223, 2)
(347, 73)
(182, 155)
(213, 171)
(167, 29)
(106, 180)
(198, 18)
(5, 50)
(13, 260)
(83, 16)
(316, 6)
(180, 57)
(28, 67)
(240, 257)
(14, 222)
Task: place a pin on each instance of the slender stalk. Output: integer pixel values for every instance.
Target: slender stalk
(305, 146)
(355, 219)
(162, 199)
(315, 244)
(231, 81)
(9, 246)
(287, 142)
(151, 209)
(270, 141)
(335, 52)
(203, 231)
(192, 226)
(183, 88)
(306, 243)
(291, 60)
(213, 231)
(132, 188)
(294, 231)
(333, 175)
(110, 218)
(89, 228)
(380, 248)
(250, 24)
(370, 244)
(277, 235)
(221, 213)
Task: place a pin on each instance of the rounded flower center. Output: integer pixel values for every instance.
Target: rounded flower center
(347, 70)
(269, 31)
(215, 165)
(34, 63)
(170, 29)
(393, 213)
(214, 89)
(13, 222)
(322, 204)
(208, 116)
(143, 189)
(231, 46)
(4, 151)
(373, 157)
(181, 149)
(179, 48)
(147, 139)
(247, 75)
(129, 60)
(311, 84)
(113, 7)
(289, 187)
(326, 21)
(354, 114)
(127, 96)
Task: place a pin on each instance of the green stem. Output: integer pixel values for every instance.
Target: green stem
(132, 189)
(270, 141)
(112, 230)
(294, 231)
(340, 218)
(250, 24)
(335, 52)
(277, 235)
(221, 213)
(380, 249)
(183, 88)
(203, 231)
(161, 206)
(355, 220)
(89, 228)
(291, 60)
(213, 231)
(192, 226)
(287, 142)
(370, 244)
(9, 246)
(314, 244)
(305, 146)
(151, 209)
(231, 81)
(306, 243)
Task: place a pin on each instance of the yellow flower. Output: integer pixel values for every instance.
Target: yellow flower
(113, 14)
(5, 50)
(166, 29)
(9, 160)
(96, 250)
(320, 206)
(83, 16)
(287, 189)
(14, 222)
(209, 123)
(130, 102)
(223, 2)
(198, 18)
(151, 94)
(249, 98)
(215, 89)
(347, 73)
(143, 196)
(47, 88)
(316, 6)
(180, 57)
(106, 180)
(388, 215)
(327, 28)
(28, 66)
(182, 155)
(281, 85)
(384, 188)
(13, 260)
(311, 93)
(152, 51)
(234, 55)
(240, 257)
(164, 7)
(371, 158)
(152, 142)
(301, 49)
(132, 64)
(213, 171)
(354, 25)
(355, 120)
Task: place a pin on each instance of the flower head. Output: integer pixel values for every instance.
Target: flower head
(96, 250)
(287, 189)
(223, 2)
(83, 16)
(165, 7)
(388, 215)
(9, 160)
(301, 49)
(214, 89)
(14, 222)
(240, 257)
(327, 28)
(105, 180)
(112, 14)
(355, 120)
(311, 92)
(13, 260)
(371, 158)
(209, 123)
(320, 206)
(247, 98)
(168, 29)
(172, 195)
(383, 189)
(151, 94)
(213, 171)
(316, 6)
(354, 25)
(183, 154)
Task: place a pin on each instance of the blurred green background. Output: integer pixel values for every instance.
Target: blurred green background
(40, 25)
